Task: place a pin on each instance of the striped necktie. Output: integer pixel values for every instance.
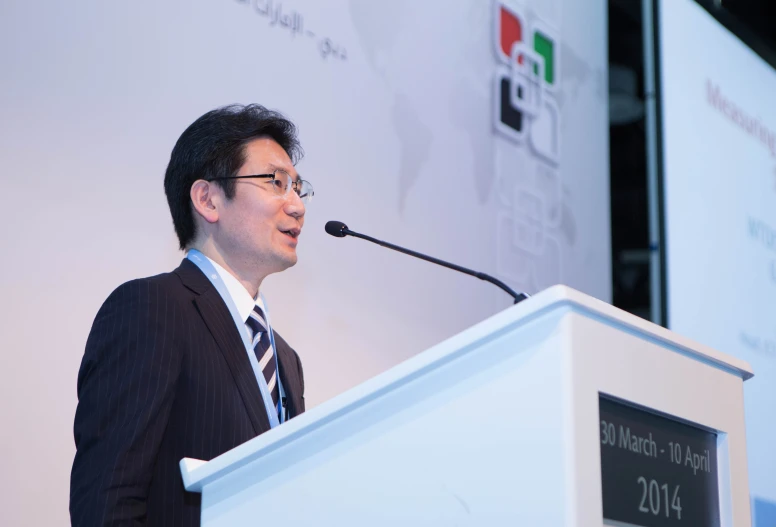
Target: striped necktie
(262, 347)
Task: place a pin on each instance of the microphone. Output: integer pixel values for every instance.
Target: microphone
(340, 230)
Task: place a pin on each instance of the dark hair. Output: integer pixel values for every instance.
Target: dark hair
(214, 146)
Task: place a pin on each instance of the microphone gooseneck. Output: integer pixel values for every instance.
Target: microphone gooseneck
(340, 230)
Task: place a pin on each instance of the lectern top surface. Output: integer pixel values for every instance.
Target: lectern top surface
(557, 298)
(559, 295)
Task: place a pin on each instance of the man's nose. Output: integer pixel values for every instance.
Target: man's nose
(294, 205)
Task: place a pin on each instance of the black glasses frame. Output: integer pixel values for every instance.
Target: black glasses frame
(296, 185)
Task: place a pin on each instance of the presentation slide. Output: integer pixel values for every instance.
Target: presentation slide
(719, 192)
(475, 131)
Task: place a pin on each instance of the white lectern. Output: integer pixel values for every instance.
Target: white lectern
(561, 410)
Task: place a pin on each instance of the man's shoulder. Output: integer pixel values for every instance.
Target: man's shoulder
(169, 286)
(149, 305)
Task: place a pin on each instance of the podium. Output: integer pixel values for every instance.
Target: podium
(561, 410)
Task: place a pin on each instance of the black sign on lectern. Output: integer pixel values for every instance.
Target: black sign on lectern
(656, 471)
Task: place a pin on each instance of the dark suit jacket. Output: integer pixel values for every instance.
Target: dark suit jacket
(165, 375)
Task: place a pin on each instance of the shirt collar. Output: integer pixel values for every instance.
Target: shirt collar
(242, 299)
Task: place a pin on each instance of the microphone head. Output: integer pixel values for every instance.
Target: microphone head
(336, 228)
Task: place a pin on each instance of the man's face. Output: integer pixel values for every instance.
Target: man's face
(257, 227)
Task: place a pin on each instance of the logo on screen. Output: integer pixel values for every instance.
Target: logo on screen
(525, 102)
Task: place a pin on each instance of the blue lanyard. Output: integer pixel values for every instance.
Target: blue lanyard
(201, 261)
(280, 410)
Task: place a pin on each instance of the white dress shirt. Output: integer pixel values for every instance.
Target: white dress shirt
(244, 303)
(242, 299)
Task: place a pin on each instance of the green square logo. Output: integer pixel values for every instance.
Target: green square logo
(544, 46)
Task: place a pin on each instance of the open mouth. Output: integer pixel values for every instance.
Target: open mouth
(294, 233)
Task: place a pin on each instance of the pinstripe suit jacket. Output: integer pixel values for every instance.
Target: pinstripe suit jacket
(165, 375)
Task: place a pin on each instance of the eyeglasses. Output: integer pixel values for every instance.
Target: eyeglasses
(281, 184)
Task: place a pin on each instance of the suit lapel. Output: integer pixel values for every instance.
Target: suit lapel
(289, 376)
(220, 323)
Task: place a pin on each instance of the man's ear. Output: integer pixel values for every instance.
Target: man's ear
(205, 199)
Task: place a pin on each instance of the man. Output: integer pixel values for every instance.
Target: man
(185, 364)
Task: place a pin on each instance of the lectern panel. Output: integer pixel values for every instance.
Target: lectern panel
(656, 471)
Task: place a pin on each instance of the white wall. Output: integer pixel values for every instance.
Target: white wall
(399, 142)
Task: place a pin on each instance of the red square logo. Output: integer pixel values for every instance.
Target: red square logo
(510, 29)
